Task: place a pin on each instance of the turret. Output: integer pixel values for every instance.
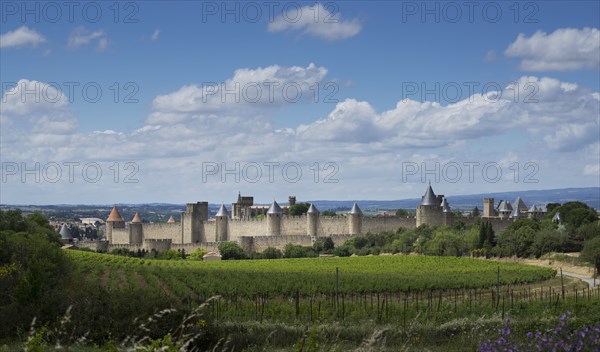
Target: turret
(355, 220)
(65, 234)
(192, 222)
(222, 219)
(274, 219)
(136, 231)
(447, 213)
(114, 221)
(505, 209)
(431, 212)
(171, 220)
(312, 218)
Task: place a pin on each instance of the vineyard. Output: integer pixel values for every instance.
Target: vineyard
(306, 276)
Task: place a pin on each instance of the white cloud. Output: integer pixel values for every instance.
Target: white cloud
(155, 34)
(429, 124)
(592, 169)
(565, 49)
(318, 21)
(81, 36)
(364, 142)
(20, 37)
(29, 96)
(270, 86)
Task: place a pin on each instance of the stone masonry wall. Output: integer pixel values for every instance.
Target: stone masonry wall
(163, 231)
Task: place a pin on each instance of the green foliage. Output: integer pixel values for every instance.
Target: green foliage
(35, 223)
(402, 212)
(574, 215)
(548, 240)
(260, 216)
(33, 270)
(446, 243)
(475, 212)
(344, 250)
(198, 254)
(298, 209)
(169, 254)
(231, 250)
(308, 275)
(271, 253)
(328, 244)
(459, 225)
(120, 251)
(487, 237)
(297, 251)
(328, 213)
(591, 252)
(588, 231)
(518, 240)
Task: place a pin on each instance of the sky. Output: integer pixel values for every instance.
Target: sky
(182, 101)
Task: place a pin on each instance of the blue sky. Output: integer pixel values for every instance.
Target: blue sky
(366, 55)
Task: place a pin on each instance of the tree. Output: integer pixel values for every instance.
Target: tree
(231, 250)
(318, 245)
(588, 231)
(260, 216)
(459, 225)
(34, 272)
(591, 252)
(297, 251)
(328, 244)
(343, 251)
(360, 242)
(548, 240)
(329, 213)
(551, 206)
(169, 254)
(271, 253)
(298, 209)
(574, 214)
(475, 212)
(402, 212)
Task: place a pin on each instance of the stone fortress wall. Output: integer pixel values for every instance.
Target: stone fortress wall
(276, 229)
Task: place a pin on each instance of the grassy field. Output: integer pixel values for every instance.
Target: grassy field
(383, 303)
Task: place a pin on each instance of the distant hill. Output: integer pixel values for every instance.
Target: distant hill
(589, 196)
(161, 211)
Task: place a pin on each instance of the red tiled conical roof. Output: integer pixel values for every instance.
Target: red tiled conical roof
(136, 219)
(114, 215)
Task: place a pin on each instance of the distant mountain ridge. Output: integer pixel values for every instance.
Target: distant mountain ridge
(589, 195)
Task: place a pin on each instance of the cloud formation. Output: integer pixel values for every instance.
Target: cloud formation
(317, 21)
(80, 36)
(22, 36)
(181, 133)
(565, 49)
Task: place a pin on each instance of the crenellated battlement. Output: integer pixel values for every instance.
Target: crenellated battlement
(277, 228)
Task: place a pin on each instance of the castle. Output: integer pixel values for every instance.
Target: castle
(276, 228)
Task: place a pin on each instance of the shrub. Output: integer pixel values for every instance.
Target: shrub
(169, 254)
(198, 254)
(343, 251)
(296, 251)
(328, 244)
(231, 250)
(271, 253)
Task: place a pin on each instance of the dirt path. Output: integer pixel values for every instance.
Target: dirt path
(593, 283)
(583, 273)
